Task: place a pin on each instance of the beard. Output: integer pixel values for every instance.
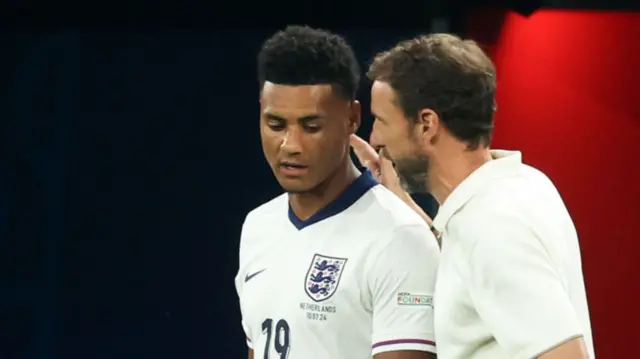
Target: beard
(413, 173)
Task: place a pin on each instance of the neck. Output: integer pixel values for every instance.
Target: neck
(452, 167)
(306, 204)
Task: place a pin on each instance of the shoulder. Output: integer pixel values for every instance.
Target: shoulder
(252, 240)
(511, 210)
(405, 254)
(390, 211)
(273, 210)
(270, 215)
(392, 223)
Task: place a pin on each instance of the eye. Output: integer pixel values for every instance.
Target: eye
(312, 128)
(276, 125)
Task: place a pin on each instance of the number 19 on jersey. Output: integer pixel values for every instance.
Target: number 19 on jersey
(280, 336)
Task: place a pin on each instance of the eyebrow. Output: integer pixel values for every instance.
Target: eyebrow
(305, 118)
(377, 117)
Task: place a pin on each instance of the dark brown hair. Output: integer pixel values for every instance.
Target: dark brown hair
(446, 74)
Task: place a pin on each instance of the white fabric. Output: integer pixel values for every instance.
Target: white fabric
(385, 254)
(510, 281)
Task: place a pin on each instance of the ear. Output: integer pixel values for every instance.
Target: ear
(428, 124)
(356, 117)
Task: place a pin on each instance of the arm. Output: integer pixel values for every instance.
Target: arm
(384, 172)
(402, 282)
(405, 354)
(573, 348)
(518, 291)
(239, 281)
(406, 198)
(245, 327)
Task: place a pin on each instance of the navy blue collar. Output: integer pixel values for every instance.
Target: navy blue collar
(353, 193)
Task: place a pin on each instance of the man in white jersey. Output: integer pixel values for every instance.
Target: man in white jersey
(337, 267)
(510, 282)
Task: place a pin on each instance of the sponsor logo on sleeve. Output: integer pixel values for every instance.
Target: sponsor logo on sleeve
(414, 299)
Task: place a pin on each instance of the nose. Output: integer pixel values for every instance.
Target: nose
(375, 140)
(292, 141)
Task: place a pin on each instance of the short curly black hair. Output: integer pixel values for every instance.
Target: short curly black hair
(301, 55)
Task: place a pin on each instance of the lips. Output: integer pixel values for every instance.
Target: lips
(292, 169)
(292, 164)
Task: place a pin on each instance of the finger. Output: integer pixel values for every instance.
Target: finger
(363, 150)
(387, 172)
(365, 153)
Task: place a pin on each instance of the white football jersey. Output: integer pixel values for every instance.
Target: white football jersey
(354, 280)
(510, 280)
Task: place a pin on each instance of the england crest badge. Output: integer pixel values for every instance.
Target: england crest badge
(323, 277)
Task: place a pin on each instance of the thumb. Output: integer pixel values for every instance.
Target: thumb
(387, 172)
(365, 153)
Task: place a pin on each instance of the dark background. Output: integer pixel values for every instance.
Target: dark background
(130, 154)
(133, 159)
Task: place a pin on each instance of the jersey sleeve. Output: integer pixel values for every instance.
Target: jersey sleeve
(518, 290)
(239, 281)
(402, 285)
(245, 327)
